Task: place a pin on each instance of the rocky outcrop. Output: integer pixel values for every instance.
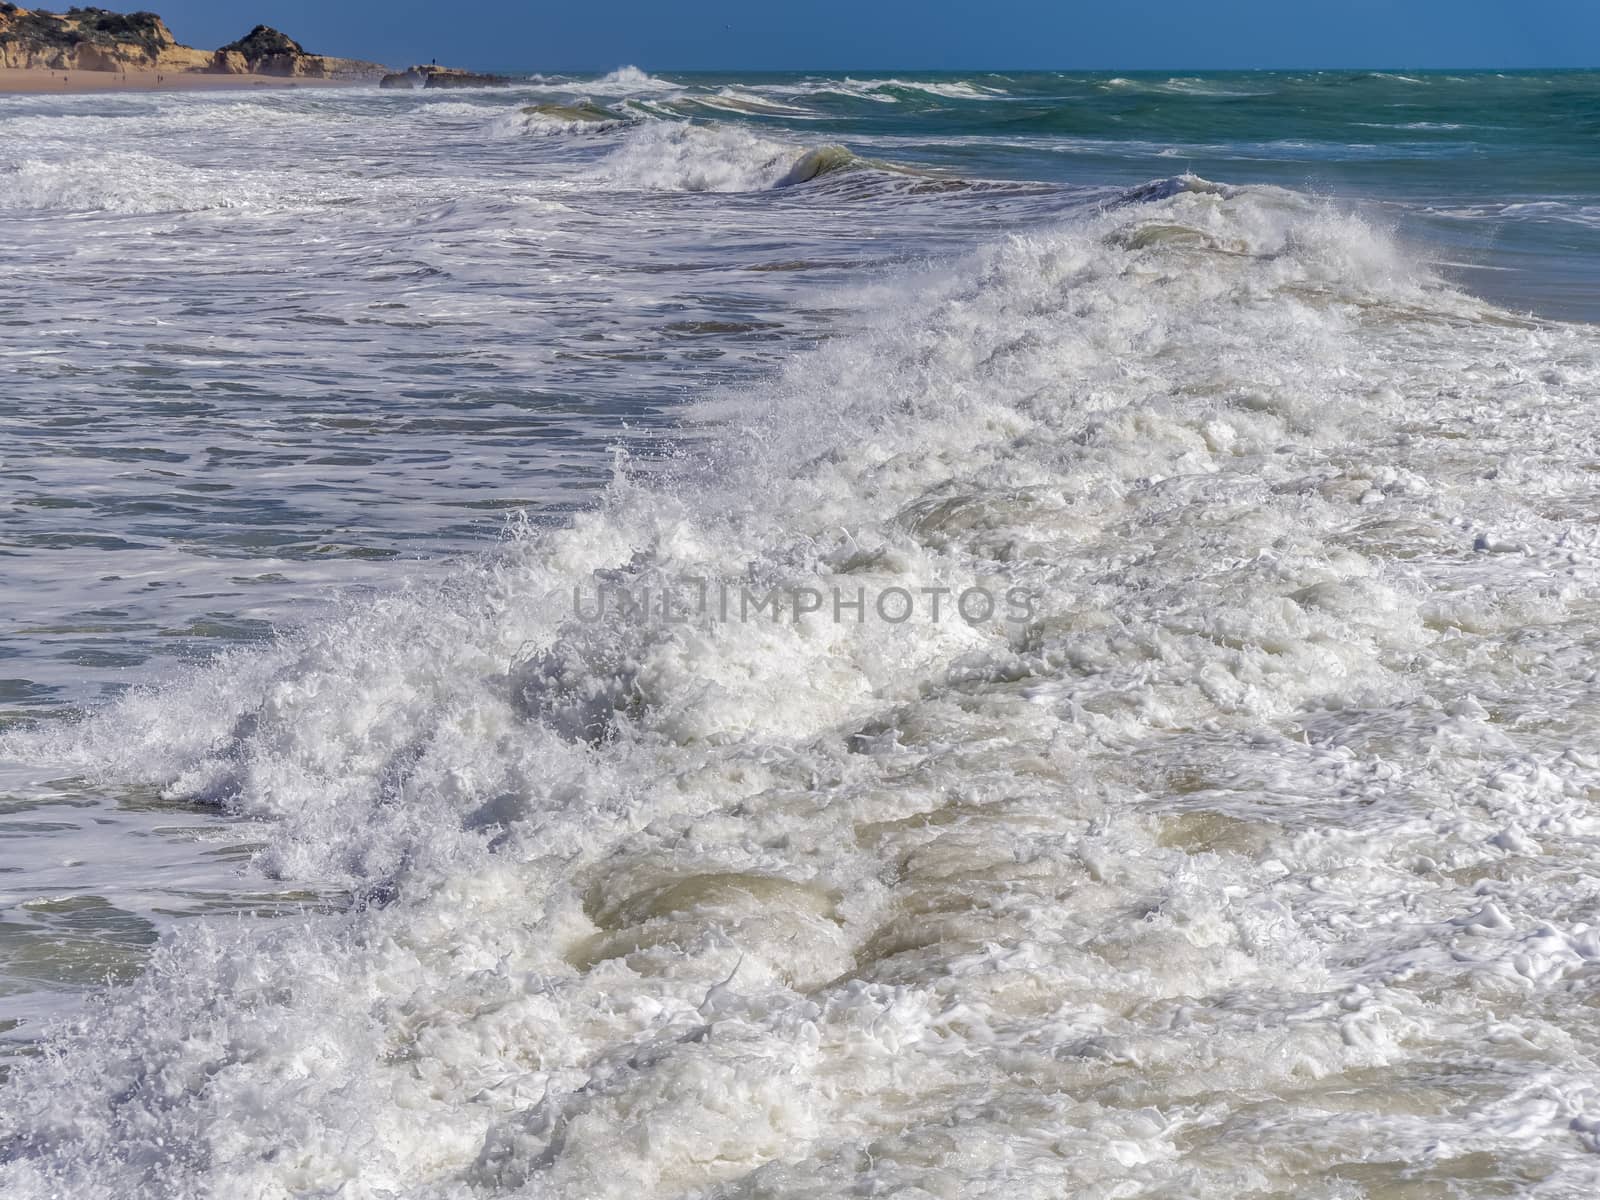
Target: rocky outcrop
(412, 78)
(443, 77)
(93, 39)
(266, 51)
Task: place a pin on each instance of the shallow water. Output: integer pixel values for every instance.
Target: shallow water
(1255, 857)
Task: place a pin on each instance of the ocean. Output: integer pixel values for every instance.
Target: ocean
(992, 635)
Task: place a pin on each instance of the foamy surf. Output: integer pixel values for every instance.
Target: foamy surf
(1252, 861)
(124, 183)
(624, 81)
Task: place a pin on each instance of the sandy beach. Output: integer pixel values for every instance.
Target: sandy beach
(32, 81)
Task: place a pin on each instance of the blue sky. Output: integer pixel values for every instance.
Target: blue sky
(926, 34)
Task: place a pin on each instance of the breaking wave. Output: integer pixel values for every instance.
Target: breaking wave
(624, 81)
(714, 158)
(654, 908)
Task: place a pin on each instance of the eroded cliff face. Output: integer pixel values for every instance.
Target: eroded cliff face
(93, 39)
(266, 51)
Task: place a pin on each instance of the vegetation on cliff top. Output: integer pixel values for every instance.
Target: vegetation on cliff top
(94, 26)
(95, 39)
(262, 42)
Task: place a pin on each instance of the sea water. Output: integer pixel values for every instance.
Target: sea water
(1244, 846)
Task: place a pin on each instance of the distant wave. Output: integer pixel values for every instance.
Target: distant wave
(1442, 126)
(624, 81)
(889, 91)
(1542, 211)
(1180, 86)
(1206, 87)
(957, 90)
(748, 102)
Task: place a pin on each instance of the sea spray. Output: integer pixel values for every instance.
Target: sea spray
(1205, 877)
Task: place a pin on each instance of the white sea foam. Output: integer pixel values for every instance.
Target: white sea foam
(1218, 876)
(124, 183)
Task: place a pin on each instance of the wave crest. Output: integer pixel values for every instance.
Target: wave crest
(714, 158)
(581, 117)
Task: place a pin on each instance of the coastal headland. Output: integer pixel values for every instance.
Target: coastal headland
(96, 50)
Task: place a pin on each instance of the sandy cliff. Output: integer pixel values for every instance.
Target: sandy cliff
(92, 39)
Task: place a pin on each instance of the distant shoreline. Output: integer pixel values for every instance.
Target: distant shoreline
(19, 81)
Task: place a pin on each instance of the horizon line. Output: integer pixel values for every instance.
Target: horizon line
(1036, 70)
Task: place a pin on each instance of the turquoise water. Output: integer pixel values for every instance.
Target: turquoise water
(342, 854)
(1496, 172)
